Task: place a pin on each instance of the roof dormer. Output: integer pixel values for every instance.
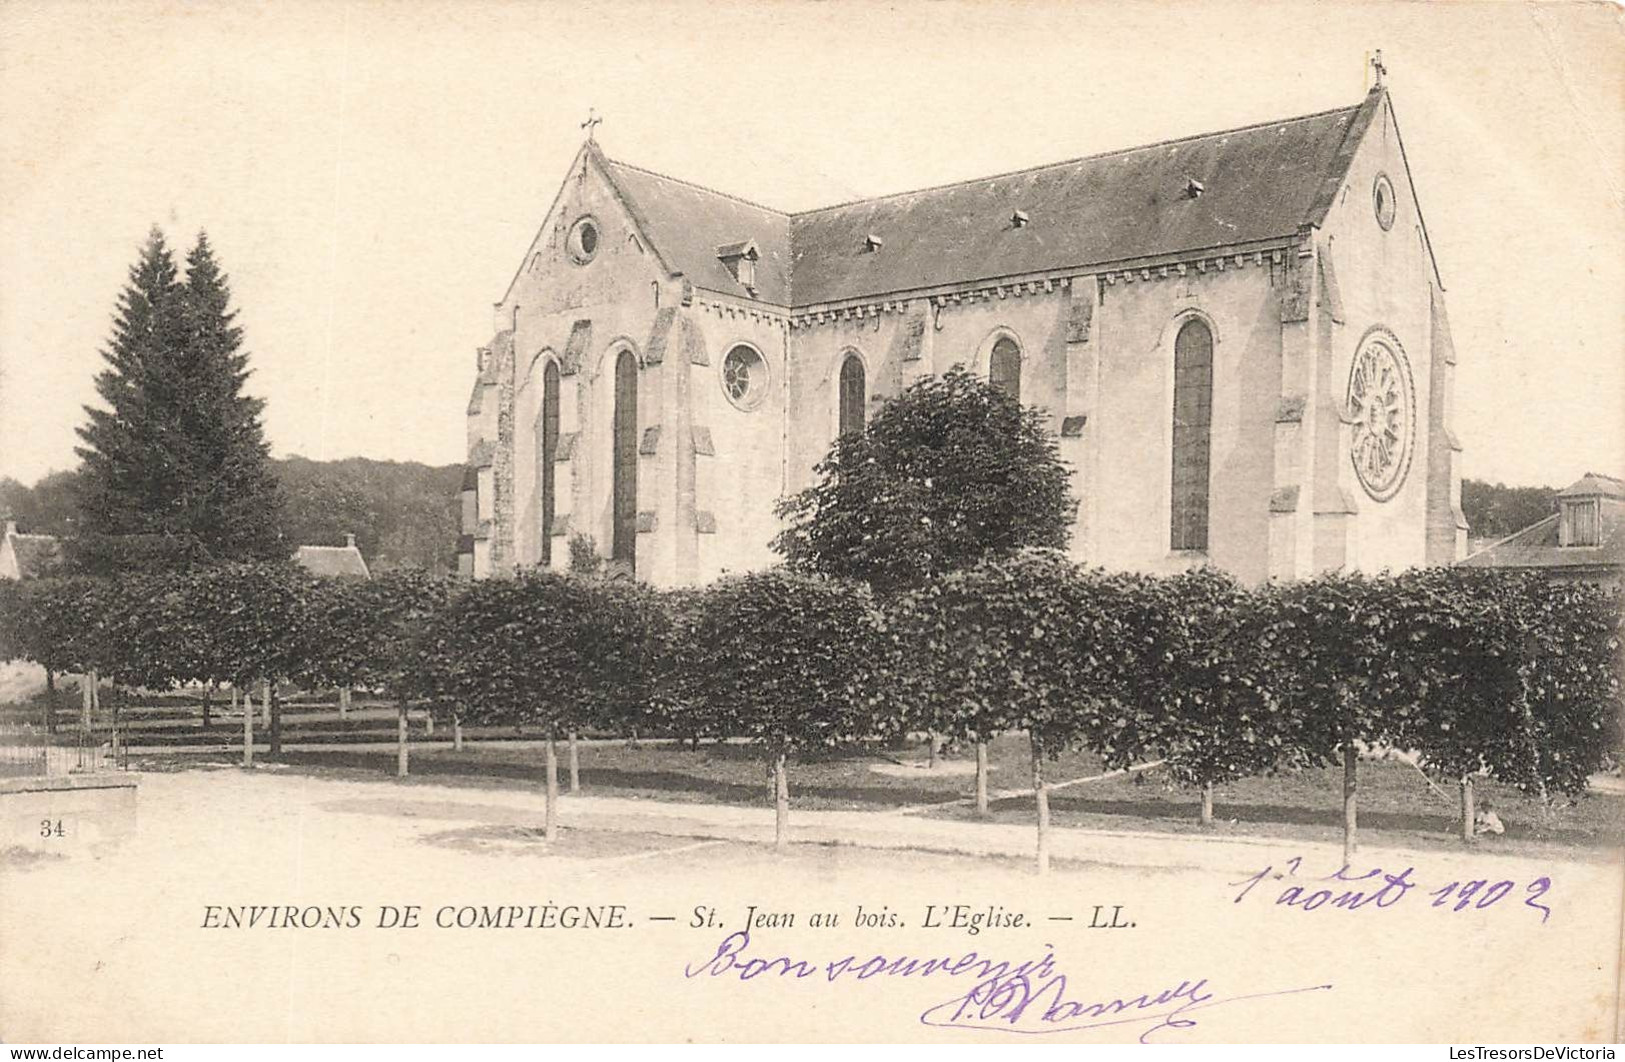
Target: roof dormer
(741, 259)
(1579, 509)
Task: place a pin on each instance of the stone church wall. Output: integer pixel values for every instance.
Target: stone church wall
(1135, 327)
(579, 315)
(1384, 280)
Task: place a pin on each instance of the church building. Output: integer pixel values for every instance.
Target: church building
(1239, 338)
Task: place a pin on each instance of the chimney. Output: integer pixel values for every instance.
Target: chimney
(349, 541)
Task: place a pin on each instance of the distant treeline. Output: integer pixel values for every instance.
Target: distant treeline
(1494, 510)
(403, 514)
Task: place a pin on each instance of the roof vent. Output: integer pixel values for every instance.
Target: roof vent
(1194, 188)
(872, 243)
(1018, 219)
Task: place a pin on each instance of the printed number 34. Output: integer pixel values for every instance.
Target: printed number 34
(51, 828)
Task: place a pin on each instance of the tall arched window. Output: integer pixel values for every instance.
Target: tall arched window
(624, 530)
(1193, 431)
(1004, 367)
(854, 392)
(547, 448)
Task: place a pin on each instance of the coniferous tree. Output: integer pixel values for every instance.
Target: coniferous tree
(178, 455)
(234, 499)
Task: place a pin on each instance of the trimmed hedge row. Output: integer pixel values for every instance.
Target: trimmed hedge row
(1481, 673)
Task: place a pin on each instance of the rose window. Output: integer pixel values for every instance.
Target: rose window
(1382, 408)
(744, 377)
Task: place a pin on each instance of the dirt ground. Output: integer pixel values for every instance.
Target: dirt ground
(146, 939)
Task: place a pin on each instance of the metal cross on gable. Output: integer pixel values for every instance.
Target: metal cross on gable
(592, 121)
(1376, 65)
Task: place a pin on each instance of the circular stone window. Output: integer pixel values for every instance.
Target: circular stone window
(584, 238)
(744, 377)
(1382, 406)
(1382, 201)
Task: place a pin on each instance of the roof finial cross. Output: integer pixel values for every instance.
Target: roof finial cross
(1376, 65)
(592, 120)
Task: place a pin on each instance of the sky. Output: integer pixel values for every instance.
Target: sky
(371, 174)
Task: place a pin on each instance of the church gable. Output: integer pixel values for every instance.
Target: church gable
(591, 245)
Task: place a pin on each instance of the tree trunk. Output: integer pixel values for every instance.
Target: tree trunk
(575, 765)
(1041, 802)
(344, 701)
(1467, 809)
(208, 694)
(781, 804)
(428, 723)
(931, 742)
(457, 733)
(236, 699)
(85, 697)
(550, 822)
(1351, 759)
(265, 704)
(1207, 804)
(400, 740)
(981, 778)
(273, 711)
(248, 727)
(95, 691)
(50, 701)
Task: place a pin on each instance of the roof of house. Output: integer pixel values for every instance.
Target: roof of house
(332, 561)
(1536, 546)
(1594, 483)
(1222, 189)
(36, 555)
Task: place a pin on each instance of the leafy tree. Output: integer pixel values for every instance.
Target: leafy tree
(951, 470)
(1220, 717)
(178, 451)
(363, 632)
(1567, 653)
(1461, 662)
(1340, 661)
(947, 471)
(788, 661)
(556, 651)
(256, 614)
(1024, 642)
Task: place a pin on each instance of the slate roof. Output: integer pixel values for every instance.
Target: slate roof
(1593, 483)
(688, 224)
(1259, 182)
(332, 560)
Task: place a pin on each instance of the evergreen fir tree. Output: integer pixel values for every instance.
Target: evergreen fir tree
(235, 500)
(179, 453)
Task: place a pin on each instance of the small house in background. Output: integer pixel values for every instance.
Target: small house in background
(340, 561)
(1583, 541)
(28, 556)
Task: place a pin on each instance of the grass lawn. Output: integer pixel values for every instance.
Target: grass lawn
(1396, 808)
(850, 780)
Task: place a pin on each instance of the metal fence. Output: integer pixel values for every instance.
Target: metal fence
(28, 751)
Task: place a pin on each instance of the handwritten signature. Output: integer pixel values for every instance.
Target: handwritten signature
(1027, 997)
(1019, 1004)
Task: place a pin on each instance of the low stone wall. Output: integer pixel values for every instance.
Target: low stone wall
(67, 814)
